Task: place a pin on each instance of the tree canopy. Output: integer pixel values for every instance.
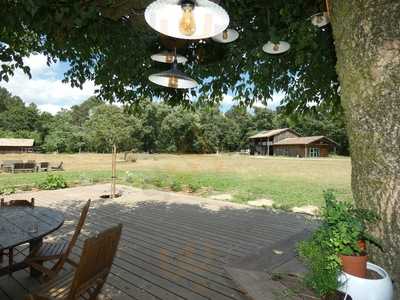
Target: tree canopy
(94, 126)
(110, 43)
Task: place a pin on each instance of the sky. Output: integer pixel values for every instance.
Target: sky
(47, 91)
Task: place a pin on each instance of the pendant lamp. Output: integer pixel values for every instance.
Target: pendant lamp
(276, 48)
(187, 19)
(227, 36)
(320, 19)
(168, 58)
(173, 78)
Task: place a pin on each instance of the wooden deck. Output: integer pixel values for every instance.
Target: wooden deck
(171, 250)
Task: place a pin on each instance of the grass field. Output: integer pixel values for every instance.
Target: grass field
(287, 181)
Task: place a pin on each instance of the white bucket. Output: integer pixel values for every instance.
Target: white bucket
(367, 289)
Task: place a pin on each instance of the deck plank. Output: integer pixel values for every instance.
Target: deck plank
(170, 251)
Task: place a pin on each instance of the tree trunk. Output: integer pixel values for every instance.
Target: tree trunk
(367, 41)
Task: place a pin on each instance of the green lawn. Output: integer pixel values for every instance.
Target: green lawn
(288, 182)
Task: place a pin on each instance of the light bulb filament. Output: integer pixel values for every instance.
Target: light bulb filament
(173, 82)
(225, 35)
(187, 25)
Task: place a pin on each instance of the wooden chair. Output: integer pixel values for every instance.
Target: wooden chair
(90, 275)
(13, 203)
(59, 167)
(57, 252)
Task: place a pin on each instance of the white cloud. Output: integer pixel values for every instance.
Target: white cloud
(45, 88)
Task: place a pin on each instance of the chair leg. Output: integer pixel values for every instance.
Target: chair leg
(10, 258)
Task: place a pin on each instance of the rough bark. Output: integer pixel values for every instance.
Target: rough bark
(367, 41)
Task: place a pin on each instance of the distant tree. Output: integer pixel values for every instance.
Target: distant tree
(64, 136)
(80, 113)
(179, 131)
(109, 125)
(239, 127)
(263, 119)
(211, 129)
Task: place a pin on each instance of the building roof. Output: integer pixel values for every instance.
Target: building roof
(270, 133)
(303, 140)
(16, 142)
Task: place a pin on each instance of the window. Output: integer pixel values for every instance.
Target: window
(314, 152)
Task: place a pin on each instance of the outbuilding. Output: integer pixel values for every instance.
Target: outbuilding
(16, 145)
(310, 146)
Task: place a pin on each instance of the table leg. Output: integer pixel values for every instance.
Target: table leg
(33, 244)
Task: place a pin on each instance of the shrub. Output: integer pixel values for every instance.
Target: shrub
(53, 182)
(194, 187)
(176, 186)
(158, 182)
(342, 226)
(7, 191)
(129, 177)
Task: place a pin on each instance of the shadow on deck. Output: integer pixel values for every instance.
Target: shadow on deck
(170, 250)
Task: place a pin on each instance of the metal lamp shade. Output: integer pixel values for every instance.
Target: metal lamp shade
(227, 36)
(276, 48)
(168, 58)
(164, 16)
(320, 19)
(173, 79)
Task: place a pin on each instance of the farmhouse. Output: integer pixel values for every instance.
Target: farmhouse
(16, 145)
(262, 143)
(286, 142)
(309, 146)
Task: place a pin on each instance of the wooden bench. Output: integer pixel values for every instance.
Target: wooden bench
(24, 167)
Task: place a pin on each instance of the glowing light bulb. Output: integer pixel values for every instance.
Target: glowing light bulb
(169, 58)
(225, 35)
(173, 82)
(187, 25)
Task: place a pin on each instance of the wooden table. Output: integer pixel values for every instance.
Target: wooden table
(20, 225)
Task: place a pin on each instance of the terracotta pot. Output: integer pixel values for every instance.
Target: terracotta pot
(355, 265)
(363, 245)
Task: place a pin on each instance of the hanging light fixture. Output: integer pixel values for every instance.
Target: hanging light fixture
(168, 57)
(173, 78)
(276, 48)
(320, 19)
(227, 36)
(187, 19)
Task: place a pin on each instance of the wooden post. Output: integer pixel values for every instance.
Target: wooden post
(113, 170)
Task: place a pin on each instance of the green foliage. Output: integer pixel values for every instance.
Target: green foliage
(194, 187)
(18, 120)
(323, 266)
(7, 191)
(53, 182)
(342, 226)
(152, 127)
(94, 37)
(176, 186)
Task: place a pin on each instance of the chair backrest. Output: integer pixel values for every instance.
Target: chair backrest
(95, 263)
(15, 203)
(78, 228)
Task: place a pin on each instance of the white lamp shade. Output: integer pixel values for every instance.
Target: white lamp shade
(164, 16)
(173, 79)
(276, 48)
(168, 58)
(320, 19)
(227, 36)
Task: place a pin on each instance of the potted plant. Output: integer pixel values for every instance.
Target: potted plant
(337, 245)
(347, 227)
